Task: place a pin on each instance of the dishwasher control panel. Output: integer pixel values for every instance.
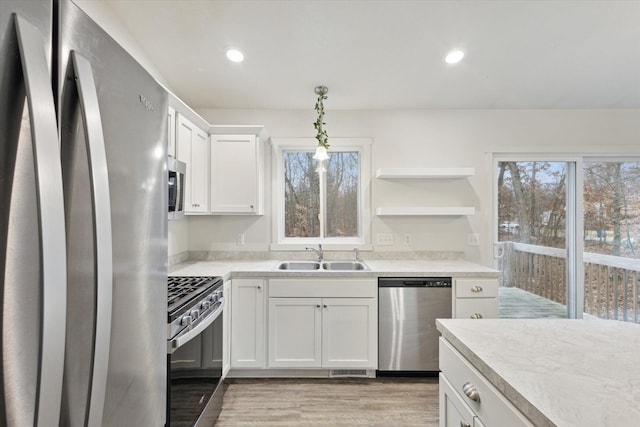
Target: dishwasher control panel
(421, 282)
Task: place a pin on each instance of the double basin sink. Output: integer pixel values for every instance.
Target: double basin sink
(323, 266)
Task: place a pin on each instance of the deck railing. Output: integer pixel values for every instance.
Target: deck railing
(611, 283)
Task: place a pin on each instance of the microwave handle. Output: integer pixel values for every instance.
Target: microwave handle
(179, 193)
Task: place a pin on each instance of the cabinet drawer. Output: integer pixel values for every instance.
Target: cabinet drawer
(476, 288)
(472, 308)
(492, 408)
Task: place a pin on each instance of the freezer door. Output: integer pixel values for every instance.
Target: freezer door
(32, 234)
(132, 107)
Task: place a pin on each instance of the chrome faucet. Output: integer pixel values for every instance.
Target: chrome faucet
(317, 251)
(357, 251)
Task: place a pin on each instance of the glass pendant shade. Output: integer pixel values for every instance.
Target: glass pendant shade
(321, 153)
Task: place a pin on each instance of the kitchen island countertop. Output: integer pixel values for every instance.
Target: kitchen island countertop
(557, 372)
(377, 268)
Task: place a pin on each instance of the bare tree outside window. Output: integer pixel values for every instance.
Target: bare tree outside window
(301, 195)
(531, 198)
(302, 198)
(612, 208)
(342, 194)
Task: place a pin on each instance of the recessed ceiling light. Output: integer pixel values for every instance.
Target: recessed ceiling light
(454, 57)
(234, 55)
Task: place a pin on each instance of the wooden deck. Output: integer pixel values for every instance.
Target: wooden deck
(515, 303)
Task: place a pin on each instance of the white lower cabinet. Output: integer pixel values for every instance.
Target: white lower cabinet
(468, 399)
(295, 332)
(453, 411)
(475, 298)
(349, 333)
(323, 324)
(247, 323)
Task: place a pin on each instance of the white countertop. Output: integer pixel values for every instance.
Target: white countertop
(377, 268)
(557, 372)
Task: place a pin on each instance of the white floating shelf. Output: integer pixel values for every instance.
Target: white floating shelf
(424, 173)
(426, 211)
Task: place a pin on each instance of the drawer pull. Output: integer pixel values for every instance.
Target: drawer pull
(476, 316)
(471, 392)
(463, 424)
(477, 289)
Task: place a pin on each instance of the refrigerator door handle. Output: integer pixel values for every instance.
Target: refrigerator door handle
(90, 110)
(48, 172)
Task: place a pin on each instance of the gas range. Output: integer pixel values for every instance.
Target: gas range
(195, 330)
(190, 298)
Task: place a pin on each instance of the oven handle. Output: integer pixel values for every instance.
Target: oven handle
(187, 336)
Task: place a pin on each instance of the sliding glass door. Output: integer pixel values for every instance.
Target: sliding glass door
(532, 230)
(568, 237)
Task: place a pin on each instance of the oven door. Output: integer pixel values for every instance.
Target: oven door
(194, 364)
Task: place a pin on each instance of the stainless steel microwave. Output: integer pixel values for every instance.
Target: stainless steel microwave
(177, 172)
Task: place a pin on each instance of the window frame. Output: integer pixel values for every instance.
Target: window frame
(360, 145)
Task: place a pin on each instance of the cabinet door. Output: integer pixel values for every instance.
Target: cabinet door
(295, 332)
(171, 132)
(226, 333)
(247, 323)
(453, 411)
(349, 333)
(235, 174)
(199, 172)
(193, 149)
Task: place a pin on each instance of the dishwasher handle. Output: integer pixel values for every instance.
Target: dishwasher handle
(415, 282)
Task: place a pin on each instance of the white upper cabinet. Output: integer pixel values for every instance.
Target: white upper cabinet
(193, 149)
(236, 171)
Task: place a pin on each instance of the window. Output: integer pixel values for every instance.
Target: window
(567, 232)
(329, 206)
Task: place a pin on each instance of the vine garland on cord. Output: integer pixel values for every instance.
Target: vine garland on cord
(321, 135)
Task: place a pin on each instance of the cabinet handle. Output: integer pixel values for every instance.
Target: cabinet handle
(325, 305)
(463, 424)
(476, 316)
(317, 305)
(471, 392)
(251, 206)
(259, 287)
(477, 289)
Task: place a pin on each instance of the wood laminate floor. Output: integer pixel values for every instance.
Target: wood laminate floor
(379, 402)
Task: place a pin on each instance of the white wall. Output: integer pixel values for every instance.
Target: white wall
(103, 15)
(425, 138)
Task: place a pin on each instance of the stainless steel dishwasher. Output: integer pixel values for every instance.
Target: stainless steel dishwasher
(407, 335)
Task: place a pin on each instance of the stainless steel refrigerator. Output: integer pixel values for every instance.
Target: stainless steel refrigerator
(83, 224)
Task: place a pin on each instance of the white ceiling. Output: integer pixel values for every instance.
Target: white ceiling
(388, 54)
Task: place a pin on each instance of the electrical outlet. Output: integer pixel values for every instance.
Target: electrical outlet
(407, 239)
(385, 239)
(473, 239)
(240, 239)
